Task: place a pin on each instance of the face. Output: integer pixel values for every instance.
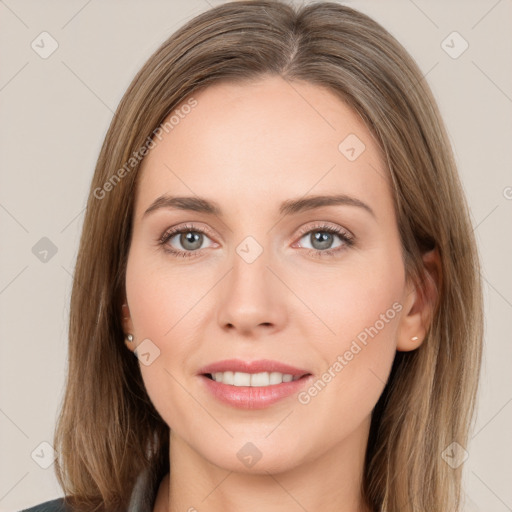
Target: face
(253, 276)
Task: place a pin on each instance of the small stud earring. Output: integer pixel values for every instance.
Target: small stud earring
(129, 337)
(415, 338)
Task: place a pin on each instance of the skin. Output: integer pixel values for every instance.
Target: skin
(249, 147)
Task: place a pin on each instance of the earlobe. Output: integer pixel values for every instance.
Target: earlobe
(128, 340)
(127, 326)
(411, 331)
(419, 309)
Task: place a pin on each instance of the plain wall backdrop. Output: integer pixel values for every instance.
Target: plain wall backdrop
(55, 110)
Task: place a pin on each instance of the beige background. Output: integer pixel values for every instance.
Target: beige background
(55, 113)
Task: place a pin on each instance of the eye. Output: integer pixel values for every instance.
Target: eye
(187, 241)
(184, 241)
(322, 240)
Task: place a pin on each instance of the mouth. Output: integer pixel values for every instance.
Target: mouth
(253, 384)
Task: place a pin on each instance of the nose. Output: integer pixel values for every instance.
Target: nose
(253, 299)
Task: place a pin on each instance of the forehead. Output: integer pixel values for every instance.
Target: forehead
(255, 142)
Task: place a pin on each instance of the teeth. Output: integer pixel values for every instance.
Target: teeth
(275, 378)
(259, 379)
(252, 379)
(241, 379)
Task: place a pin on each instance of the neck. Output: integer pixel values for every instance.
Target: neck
(329, 482)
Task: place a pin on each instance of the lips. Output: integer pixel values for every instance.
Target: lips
(246, 394)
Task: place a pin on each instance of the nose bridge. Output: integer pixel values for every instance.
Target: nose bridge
(251, 296)
(250, 263)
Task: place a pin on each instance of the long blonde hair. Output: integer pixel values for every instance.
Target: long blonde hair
(108, 429)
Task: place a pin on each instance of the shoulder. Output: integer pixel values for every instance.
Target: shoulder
(56, 505)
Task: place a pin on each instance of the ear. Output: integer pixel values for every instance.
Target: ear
(419, 304)
(127, 324)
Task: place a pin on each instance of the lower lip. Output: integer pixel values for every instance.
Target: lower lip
(248, 397)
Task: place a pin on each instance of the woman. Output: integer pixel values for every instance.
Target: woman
(277, 231)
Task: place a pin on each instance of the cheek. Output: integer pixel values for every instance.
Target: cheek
(357, 365)
(160, 295)
(361, 306)
(355, 297)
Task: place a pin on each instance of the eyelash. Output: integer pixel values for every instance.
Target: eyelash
(347, 239)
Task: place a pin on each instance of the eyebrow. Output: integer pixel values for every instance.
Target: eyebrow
(288, 207)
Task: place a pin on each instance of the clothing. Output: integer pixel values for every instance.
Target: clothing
(142, 498)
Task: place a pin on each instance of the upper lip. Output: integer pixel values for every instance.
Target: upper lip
(262, 365)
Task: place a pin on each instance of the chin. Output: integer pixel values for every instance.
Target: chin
(249, 455)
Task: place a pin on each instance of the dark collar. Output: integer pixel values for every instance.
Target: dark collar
(144, 492)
